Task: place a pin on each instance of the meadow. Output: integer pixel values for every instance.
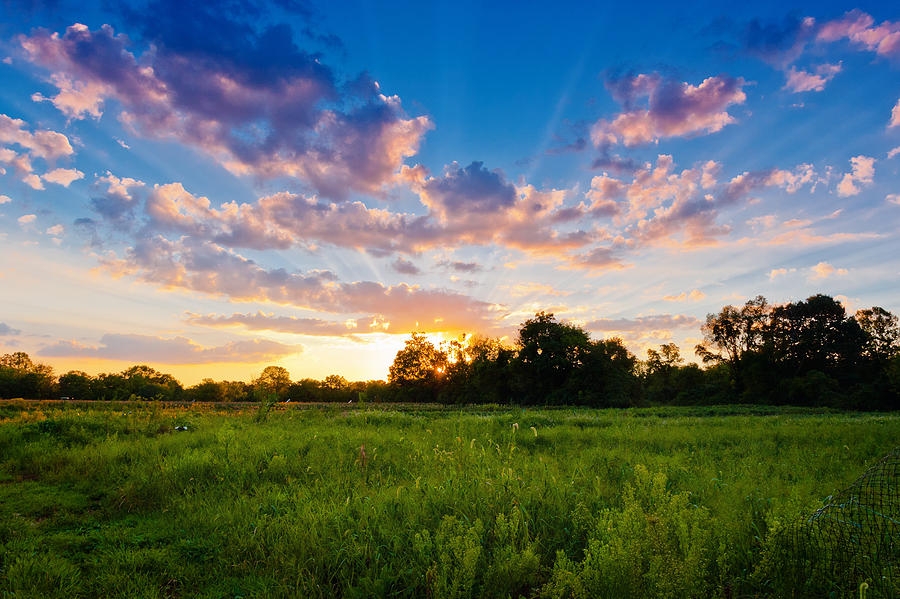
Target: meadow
(115, 500)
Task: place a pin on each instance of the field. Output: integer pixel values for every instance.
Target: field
(307, 501)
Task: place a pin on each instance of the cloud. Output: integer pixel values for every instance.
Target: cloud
(528, 289)
(459, 266)
(660, 206)
(405, 267)
(246, 96)
(63, 176)
(823, 270)
(780, 272)
(694, 296)
(4, 199)
(56, 230)
(862, 171)
(205, 267)
(175, 350)
(859, 28)
(643, 325)
(467, 190)
(43, 143)
(27, 219)
(893, 152)
(282, 324)
(895, 121)
(671, 108)
(893, 198)
(5, 329)
(465, 206)
(778, 44)
(799, 80)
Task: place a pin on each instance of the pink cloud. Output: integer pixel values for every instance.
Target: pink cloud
(799, 80)
(895, 121)
(859, 28)
(175, 350)
(823, 270)
(292, 121)
(208, 268)
(42, 143)
(672, 109)
(862, 172)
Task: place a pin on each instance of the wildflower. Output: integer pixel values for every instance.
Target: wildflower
(515, 426)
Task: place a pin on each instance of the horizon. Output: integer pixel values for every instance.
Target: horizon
(306, 185)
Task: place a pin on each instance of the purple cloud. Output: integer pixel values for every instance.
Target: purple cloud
(263, 107)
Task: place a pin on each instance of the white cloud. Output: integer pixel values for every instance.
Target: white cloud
(895, 115)
(893, 198)
(5, 199)
(63, 176)
(56, 230)
(27, 219)
(780, 272)
(694, 296)
(862, 171)
(823, 270)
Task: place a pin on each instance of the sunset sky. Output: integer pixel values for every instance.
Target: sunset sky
(212, 190)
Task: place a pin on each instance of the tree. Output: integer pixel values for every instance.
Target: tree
(335, 382)
(882, 333)
(76, 385)
(816, 334)
(549, 351)
(273, 381)
(418, 369)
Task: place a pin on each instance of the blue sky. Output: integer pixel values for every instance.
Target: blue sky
(210, 190)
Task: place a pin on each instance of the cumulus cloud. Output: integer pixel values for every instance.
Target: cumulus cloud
(258, 104)
(43, 143)
(660, 206)
(895, 121)
(823, 270)
(174, 350)
(893, 198)
(27, 219)
(656, 107)
(862, 172)
(5, 329)
(63, 176)
(799, 80)
(4, 199)
(694, 296)
(468, 205)
(859, 28)
(893, 152)
(56, 230)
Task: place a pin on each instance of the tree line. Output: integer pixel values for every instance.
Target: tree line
(808, 353)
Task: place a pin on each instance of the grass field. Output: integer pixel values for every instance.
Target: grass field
(112, 500)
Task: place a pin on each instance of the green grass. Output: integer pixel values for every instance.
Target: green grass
(110, 500)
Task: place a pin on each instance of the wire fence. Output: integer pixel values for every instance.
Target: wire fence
(855, 537)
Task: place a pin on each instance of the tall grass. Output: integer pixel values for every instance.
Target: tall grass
(114, 501)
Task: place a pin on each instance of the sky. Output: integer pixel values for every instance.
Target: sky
(210, 188)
